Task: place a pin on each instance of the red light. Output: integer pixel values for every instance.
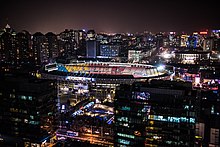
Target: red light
(203, 33)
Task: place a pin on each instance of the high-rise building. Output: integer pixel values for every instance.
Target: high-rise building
(91, 35)
(40, 49)
(52, 43)
(159, 40)
(130, 117)
(184, 40)
(134, 55)
(68, 43)
(109, 50)
(27, 110)
(208, 44)
(91, 48)
(24, 49)
(208, 128)
(8, 52)
(159, 113)
(192, 41)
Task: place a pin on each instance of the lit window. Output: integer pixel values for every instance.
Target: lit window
(31, 117)
(30, 98)
(23, 97)
(12, 95)
(25, 121)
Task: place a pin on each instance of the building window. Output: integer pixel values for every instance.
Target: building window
(12, 95)
(23, 97)
(25, 121)
(30, 98)
(31, 117)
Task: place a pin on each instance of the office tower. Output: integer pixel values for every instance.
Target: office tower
(208, 128)
(91, 44)
(91, 48)
(109, 50)
(159, 40)
(24, 49)
(171, 37)
(159, 113)
(216, 44)
(192, 41)
(134, 55)
(208, 44)
(130, 117)
(52, 43)
(68, 43)
(184, 40)
(91, 35)
(8, 52)
(40, 50)
(27, 110)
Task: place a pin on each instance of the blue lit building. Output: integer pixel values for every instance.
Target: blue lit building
(109, 50)
(91, 48)
(159, 113)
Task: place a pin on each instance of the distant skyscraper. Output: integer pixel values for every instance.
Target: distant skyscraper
(109, 50)
(91, 47)
(208, 44)
(8, 52)
(91, 35)
(216, 44)
(134, 55)
(40, 49)
(159, 40)
(68, 43)
(192, 42)
(52, 43)
(184, 40)
(24, 49)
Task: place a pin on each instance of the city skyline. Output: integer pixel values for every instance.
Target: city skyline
(109, 16)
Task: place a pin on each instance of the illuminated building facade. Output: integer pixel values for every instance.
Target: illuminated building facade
(159, 113)
(91, 48)
(27, 110)
(184, 40)
(109, 50)
(134, 55)
(23, 46)
(68, 43)
(40, 49)
(52, 43)
(208, 129)
(91, 35)
(8, 52)
(131, 110)
(191, 56)
(208, 43)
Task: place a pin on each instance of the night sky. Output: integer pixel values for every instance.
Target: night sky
(110, 15)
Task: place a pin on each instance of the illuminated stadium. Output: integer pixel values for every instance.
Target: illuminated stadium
(98, 79)
(89, 69)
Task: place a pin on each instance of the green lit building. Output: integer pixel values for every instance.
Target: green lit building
(131, 113)
(159, 113)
